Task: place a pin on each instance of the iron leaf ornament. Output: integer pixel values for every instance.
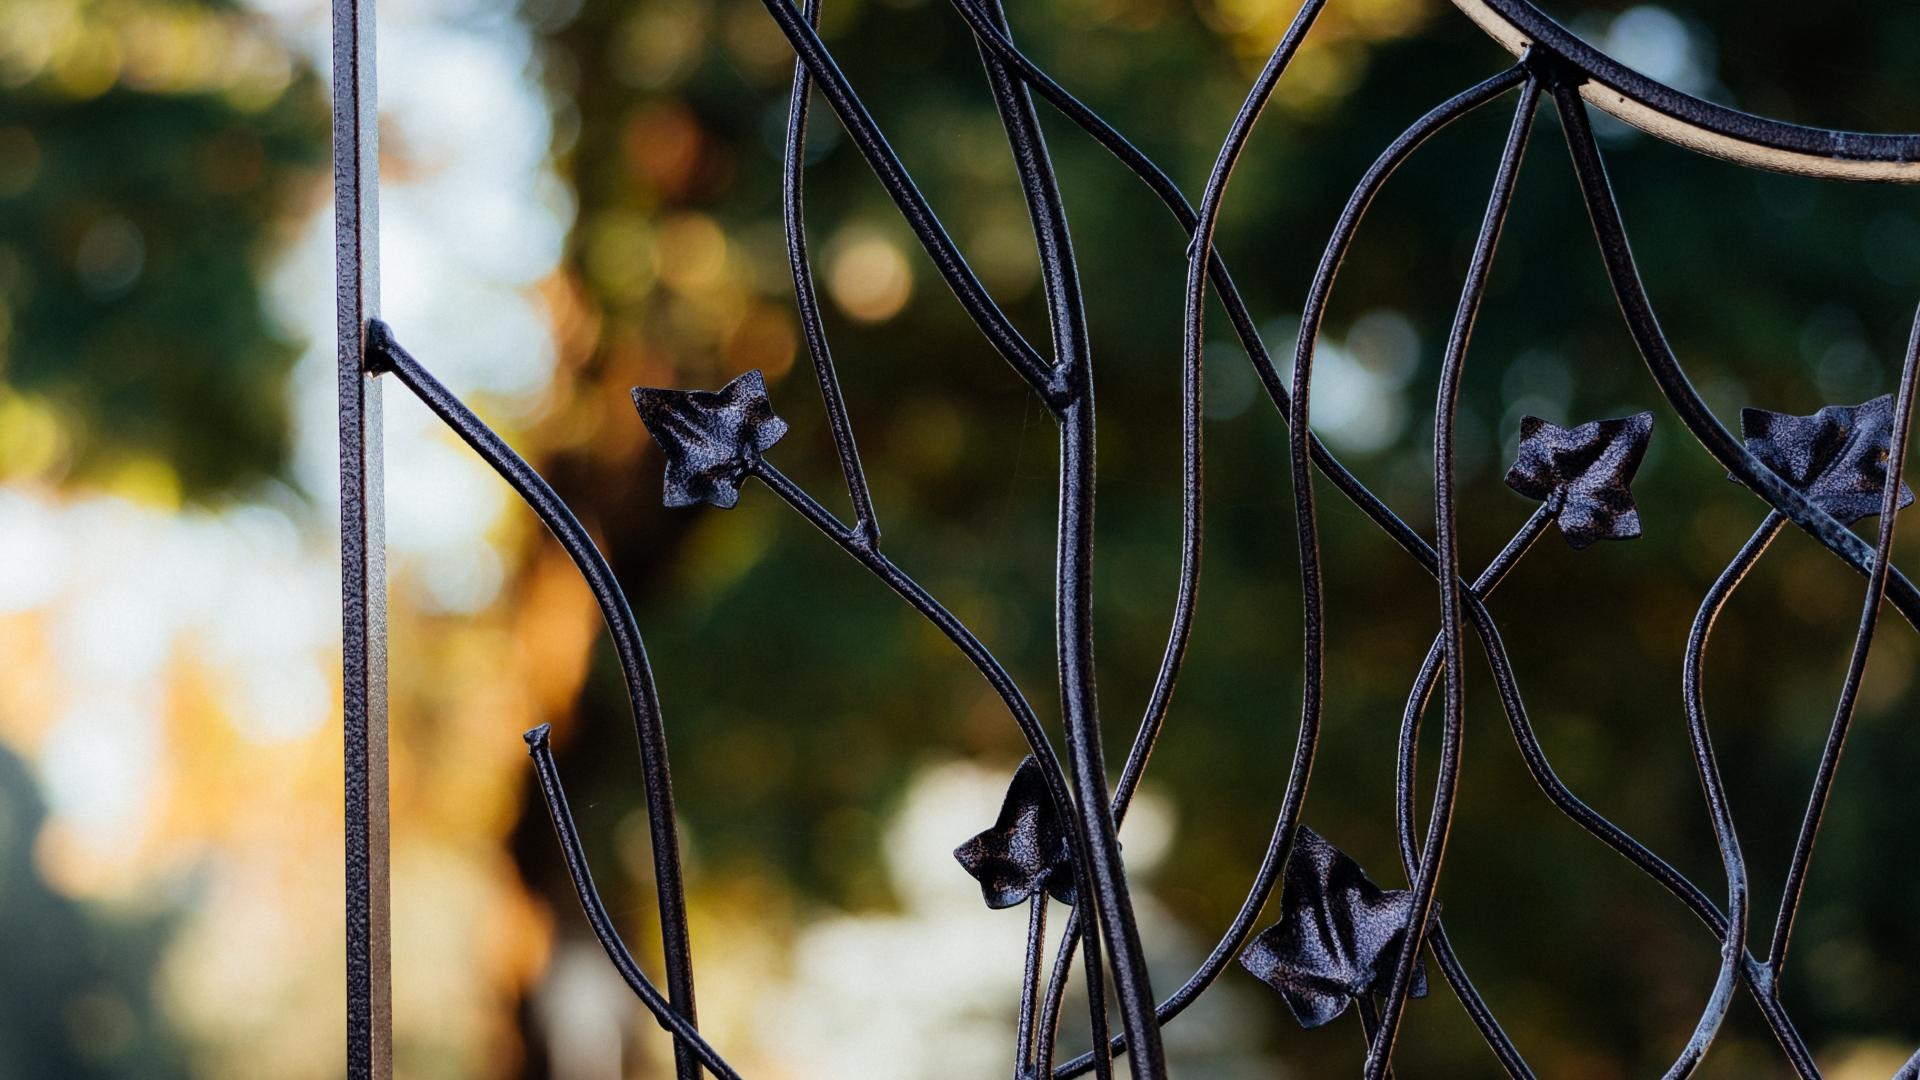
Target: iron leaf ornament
(711, 437)
(1338, 935)
(1026, 850)
(1588, 469)
(1837, 457)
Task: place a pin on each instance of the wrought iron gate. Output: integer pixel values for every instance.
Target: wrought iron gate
(1339, 941)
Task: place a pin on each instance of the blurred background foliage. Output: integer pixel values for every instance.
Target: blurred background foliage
(165, 399)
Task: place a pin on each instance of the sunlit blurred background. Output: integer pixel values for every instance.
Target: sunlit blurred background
(581, 196)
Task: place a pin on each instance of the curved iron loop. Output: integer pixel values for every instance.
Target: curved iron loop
(1453, 365)
(1045, 379)
(1551, 58)
(1643, 325)
(1109, 903)
(578, 869)
(1756, 976)
(1733, 942)
(1892, 497)
(977, 653)
(813, 329)
(1450, 966)
(386, 354)
(1689, 121)
(1199, 260)
(1288, 817)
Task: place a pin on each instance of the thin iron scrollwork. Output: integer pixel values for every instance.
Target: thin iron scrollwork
(1341, 943)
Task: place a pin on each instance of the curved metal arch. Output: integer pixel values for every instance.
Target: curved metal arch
(1691, 122)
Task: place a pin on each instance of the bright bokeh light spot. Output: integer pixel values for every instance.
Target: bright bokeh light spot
(691, 253)
(868, 276)
(99, 764)
(1654, 42)
(33, 554)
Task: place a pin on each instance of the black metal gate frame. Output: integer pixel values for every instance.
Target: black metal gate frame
(1340, 940)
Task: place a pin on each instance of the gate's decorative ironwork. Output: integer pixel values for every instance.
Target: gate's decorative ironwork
(1340, 940)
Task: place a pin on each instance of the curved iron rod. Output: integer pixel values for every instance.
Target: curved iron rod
(1032, 978)
(1369, 1017)
(983, 661)
(1242, 321)
(866, 530)
(1199, 260)
(1452, 368)
(1756, 976)
(1692, 122)
(1109, 903)
(1405, 777)
(1534, 754)
(1617, 257)
(1856, 662)
(813, 328)
(1048, 381)
(1644, 326)
(1280, 842)
(386, 354)
(684, 1033)
(1733, 942)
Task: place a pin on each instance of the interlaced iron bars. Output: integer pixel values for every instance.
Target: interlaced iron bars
(1340, 942)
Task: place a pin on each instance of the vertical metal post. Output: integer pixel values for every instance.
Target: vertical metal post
(363, 558)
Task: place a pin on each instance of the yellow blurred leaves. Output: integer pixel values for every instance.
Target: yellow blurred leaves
(1333, 56)
(81, 48)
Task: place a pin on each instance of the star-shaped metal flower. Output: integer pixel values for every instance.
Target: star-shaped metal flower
(711, 438)
(1026, 850)
(1837, 457)
(1338, 935)
(1589, 469)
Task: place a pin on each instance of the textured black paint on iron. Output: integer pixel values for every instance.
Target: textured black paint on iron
(385, 353)
(710, 438)
(1837, 457)
(363, 556)
(540, 748)
(1025, 853)
(1337, 936)
(1057, 830)
(1584, 63)
(1586, 472)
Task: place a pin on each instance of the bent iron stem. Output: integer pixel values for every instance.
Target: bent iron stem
(913, 205)
(971, 647)
(644, 699)
(541, 750)
(1756, 976)
(1109, 907)
(1856, 662)
(1450, 965)
(1616, 254)
(1733, 945)
(813, 328)
(1279, 844)
(1199, 261)
(1426, 882)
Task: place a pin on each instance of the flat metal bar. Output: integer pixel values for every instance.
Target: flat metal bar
(363, 558)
